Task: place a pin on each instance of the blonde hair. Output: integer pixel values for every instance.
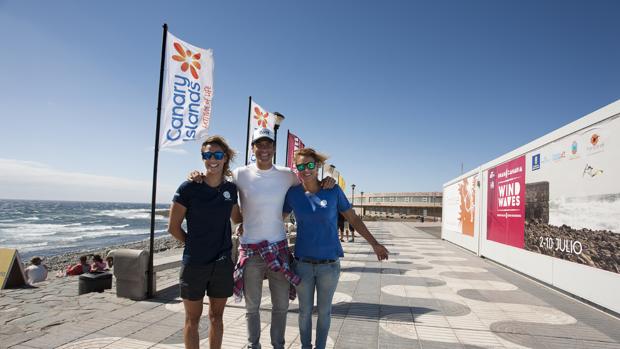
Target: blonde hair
(230, 153)
(318, 157)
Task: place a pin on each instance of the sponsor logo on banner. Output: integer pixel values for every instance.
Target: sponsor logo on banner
(535, 162)
(574, 151)
(187, 59)
(261, 117)
(558, 156)
(597, 145)
(594, 139)
(187, 92)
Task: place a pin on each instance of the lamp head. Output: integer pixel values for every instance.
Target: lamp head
(279, 118)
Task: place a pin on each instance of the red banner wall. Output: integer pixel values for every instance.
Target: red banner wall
(506, 203)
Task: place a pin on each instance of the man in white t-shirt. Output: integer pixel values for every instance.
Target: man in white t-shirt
(262, 188)
(36, 272)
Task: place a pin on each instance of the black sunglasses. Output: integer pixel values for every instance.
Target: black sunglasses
(219, 155)
(309, 165)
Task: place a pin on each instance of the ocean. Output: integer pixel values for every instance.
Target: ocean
(49, 228)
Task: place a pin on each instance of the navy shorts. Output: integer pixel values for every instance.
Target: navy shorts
(215, 279)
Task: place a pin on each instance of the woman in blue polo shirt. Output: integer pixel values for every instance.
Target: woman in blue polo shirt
(317, 248)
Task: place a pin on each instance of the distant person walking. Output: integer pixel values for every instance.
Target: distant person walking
(318, 249)
(341, 227)
(207, 264)
(351, 228)
(36, 271)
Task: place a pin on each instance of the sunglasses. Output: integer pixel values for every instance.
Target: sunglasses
(309, 165)
(218, 155)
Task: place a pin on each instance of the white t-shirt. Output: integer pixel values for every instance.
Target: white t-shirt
(36, 273)
(261, 198)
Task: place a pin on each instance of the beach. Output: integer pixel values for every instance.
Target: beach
(61, 261)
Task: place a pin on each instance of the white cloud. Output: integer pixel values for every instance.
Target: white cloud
(171, 150)
(34, 180)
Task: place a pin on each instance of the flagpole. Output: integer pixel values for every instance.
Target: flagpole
(247, 140)
(288, 136)
(149, 286)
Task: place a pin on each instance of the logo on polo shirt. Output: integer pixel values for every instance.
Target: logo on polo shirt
(226, 195)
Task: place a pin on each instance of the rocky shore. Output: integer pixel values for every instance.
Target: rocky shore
(60, 262)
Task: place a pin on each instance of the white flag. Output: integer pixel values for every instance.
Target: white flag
(187, 92)
(259, 118)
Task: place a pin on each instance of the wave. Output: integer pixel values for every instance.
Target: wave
(81, 242)
(28, 247)
(591, 213)
(25, 230)
(104, 233)
(131, 214)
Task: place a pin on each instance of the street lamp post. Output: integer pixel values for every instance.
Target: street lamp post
(362, 203)
(353, 196)
(279, 119)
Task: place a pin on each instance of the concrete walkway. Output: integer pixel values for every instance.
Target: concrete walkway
(430, 294)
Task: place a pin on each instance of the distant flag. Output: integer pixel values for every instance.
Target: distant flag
(335, 174)
(293, 144)
(330, 170)
(257, 118)
(342, 183)
(187, 92)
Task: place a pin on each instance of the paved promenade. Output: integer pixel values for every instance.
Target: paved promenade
(430, 294)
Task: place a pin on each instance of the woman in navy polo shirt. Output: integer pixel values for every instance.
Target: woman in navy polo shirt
(317, 248)
(207, 264)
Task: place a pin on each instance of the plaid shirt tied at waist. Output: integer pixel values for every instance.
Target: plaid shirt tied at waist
(276, 255)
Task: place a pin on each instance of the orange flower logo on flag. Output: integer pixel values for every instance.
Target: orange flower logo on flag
(189, 60)
(260, 117)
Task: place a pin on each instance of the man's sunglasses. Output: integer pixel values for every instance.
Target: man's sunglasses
(309, 165)
(219, 155)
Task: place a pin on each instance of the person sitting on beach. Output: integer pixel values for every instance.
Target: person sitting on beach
(207, 266)
(79, 269)
(36, 272)
(98, 264)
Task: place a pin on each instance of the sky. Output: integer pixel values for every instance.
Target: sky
(399, 94)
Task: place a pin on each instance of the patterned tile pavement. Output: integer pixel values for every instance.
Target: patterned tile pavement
(430, 294)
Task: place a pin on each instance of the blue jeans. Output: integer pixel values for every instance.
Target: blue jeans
(324, 279)
(253, 275)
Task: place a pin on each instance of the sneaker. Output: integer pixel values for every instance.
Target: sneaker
(342, 240)
(351, 240)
